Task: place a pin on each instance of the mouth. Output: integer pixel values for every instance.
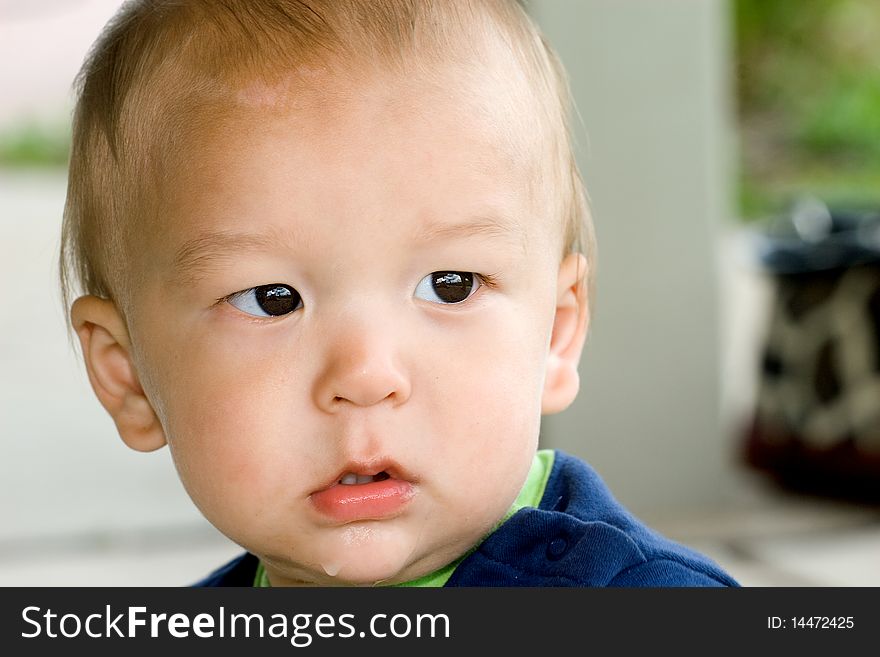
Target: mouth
(375, 491)
(363, 472)
(352, 478)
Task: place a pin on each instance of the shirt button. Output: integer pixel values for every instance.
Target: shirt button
(557, 548)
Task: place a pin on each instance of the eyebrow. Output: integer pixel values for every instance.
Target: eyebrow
(482, 226)
(198, 256)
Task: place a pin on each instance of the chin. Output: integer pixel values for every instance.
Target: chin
(371, 570)
(367, 559)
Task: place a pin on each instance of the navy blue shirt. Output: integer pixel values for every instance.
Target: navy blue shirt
(578, 536)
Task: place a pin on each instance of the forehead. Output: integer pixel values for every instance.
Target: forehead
(342, 145)
(487, 107)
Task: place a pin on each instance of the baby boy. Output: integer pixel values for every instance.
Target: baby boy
(337, 256)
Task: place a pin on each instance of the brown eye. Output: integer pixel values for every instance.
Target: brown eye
(271, 300)
(447, 287)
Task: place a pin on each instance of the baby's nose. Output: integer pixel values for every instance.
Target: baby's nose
(362, 368)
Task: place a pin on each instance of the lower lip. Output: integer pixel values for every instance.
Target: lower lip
(373, 501)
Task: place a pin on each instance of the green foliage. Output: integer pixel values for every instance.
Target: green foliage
(808, 91)
(844, 119)
(34, 145)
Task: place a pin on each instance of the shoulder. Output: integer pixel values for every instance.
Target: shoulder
(581, 536)
(238, 572)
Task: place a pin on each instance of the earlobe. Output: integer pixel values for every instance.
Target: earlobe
(561, 383)
(106, 350)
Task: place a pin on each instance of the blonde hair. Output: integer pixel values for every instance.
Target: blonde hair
(159, 62)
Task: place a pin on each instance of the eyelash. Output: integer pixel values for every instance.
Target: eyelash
(488, 280)
(483, 280)
(290, 293)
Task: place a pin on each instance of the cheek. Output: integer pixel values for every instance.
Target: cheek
(230, 414)
(487, 394)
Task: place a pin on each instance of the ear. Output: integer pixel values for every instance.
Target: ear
(561, 382)
(106, 350)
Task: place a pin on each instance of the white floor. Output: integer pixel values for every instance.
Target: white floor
(771, 537)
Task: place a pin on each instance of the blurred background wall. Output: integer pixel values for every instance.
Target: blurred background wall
(668, 376)
(652, 82)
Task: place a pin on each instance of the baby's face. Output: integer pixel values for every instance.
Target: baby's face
(344, 327)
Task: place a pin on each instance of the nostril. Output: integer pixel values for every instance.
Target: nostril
(343, 386)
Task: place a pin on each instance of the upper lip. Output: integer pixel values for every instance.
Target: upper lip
(370, 467)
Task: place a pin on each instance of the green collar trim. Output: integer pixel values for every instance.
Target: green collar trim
(529, 496)
(261, 579)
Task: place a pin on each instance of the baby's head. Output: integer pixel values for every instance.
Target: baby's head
(335, 254)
